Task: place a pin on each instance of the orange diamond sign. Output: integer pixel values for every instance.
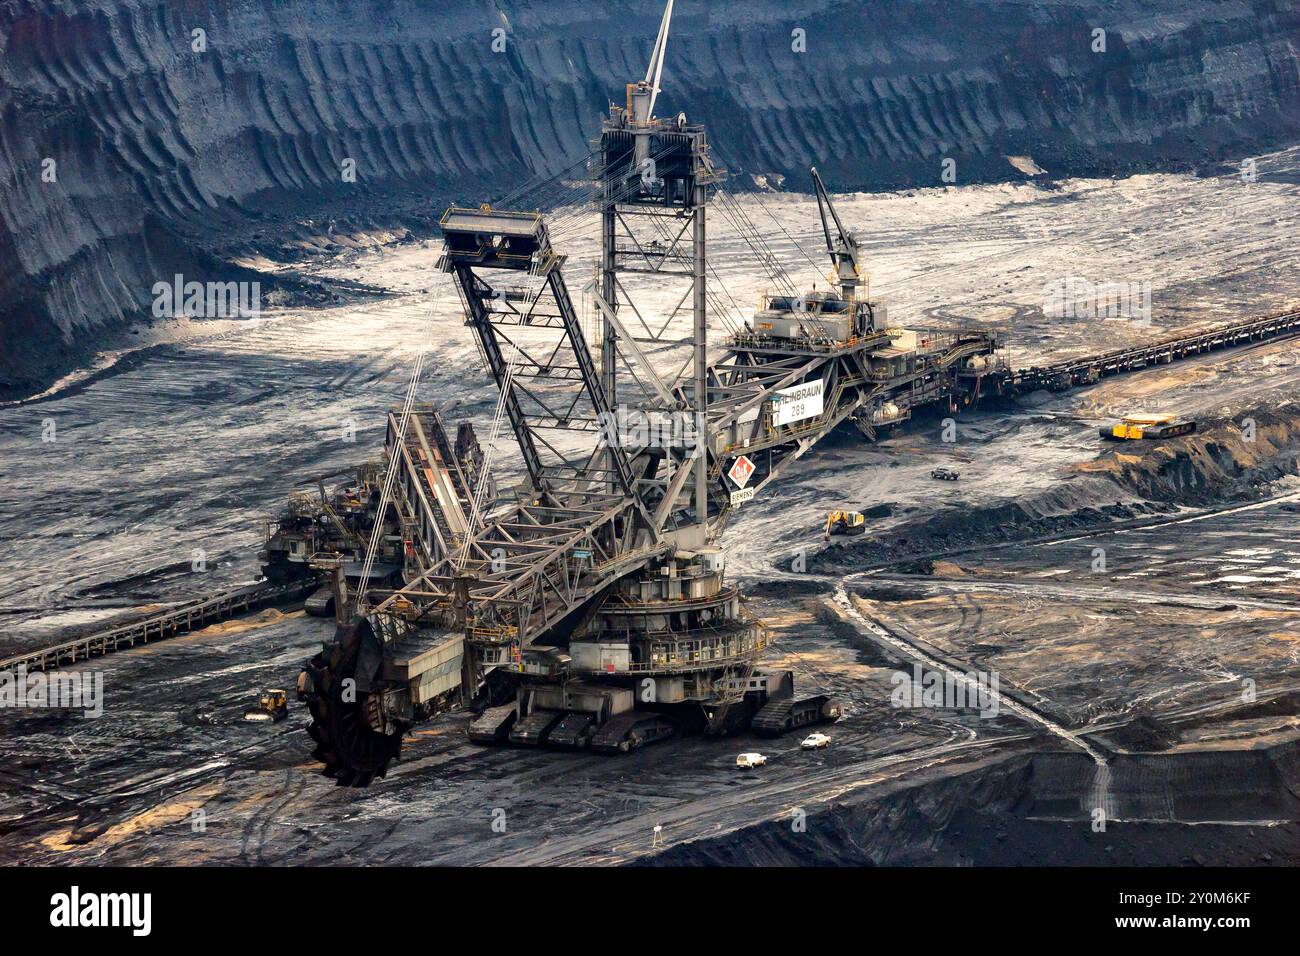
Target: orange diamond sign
(741, 471)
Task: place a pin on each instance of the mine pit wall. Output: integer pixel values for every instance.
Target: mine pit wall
(162, 151)
(1214, 462)
(1125, 482)
(1037, 808)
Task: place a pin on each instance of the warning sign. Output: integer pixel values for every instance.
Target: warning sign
(741, 471)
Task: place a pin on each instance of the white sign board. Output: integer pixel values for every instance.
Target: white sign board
(797, 402)
(741, 471)
(741, 496)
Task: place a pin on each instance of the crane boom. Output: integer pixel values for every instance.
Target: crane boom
(656, 67)
(842, 247)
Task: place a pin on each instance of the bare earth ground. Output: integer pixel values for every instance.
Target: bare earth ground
(184, 454)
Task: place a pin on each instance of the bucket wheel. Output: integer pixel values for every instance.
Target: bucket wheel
(347, 724)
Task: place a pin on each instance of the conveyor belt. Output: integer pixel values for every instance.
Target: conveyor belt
(1085, 371)
(190, 616)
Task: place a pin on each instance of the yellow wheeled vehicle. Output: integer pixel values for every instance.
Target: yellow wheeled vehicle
(1134, 427)
(845, 522)
(273, 706)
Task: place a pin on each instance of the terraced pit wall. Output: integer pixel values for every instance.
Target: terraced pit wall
(1230, 807)
(1219, 465)
(168, 149)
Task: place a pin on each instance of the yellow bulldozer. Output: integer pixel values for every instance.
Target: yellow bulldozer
(845, 522)
(1139, 426)
(273, 706)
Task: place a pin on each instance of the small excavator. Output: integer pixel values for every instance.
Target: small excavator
(845, 522)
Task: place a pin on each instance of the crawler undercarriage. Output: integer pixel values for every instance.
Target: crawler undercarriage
(670, 651)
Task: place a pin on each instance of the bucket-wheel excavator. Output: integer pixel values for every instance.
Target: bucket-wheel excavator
(594, 611)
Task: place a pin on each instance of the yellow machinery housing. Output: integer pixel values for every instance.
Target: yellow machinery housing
(273, 706)
(845, 522)
(1135, 427)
